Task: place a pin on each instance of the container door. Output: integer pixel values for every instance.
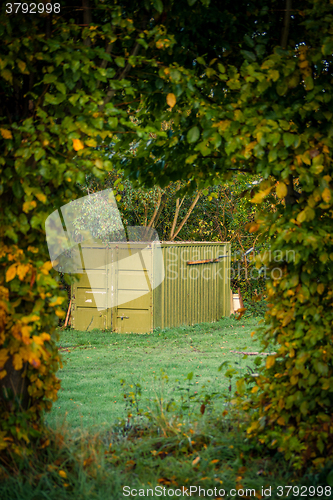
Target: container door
(90, 296)
(133, 278)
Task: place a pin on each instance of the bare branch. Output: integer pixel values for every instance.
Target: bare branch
(152, 220)
(87, 19)
(286, 24)
(190, 210)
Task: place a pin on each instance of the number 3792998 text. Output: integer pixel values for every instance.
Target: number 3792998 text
(32, 8)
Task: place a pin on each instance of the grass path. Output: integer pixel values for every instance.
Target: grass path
(96, 362)
(170, 455)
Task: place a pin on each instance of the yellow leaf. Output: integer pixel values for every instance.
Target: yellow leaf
(281, 421)
(253, 227)
(6, 134)
(17, 362)
(195, 461)
(99, 163)
(28, 205)
(118, 197)
(22, 270)
(29, 319)
(252, 427)
(32, 249)
(326, 195)
(171, 100)
(270, 362)
(11, 272)
(62, 473)
(222, 125)
(301, 217)
(3, 357)
(259, 197)
(255, 389)
(57, 302)
(46, 267)
(22, 65)
(281, 190)
(320, 288)
(77, 144)
(91, 143)
(38, 339)
(41, 197)
(60, 314)
(25, 334)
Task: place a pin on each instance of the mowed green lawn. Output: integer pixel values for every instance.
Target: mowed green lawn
(96, 363)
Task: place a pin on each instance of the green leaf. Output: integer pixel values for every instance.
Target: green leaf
(249, 56)
(191, 159)
(329, 478)
(193, 135)
(272, 155)
(49, 78)
(309, 83)
(248, 40)
(98, 123)
(191, 2)
(61, 87)
(7, 75)
(260, 49)
(36, 221)
(221, 68)
(39, 153)
(327, 49)
(274, 138)
(175, 75)
(113, 122)
(74, 98)
(120, 61)
(288, 139)
(189, 376)
(75, 66)
(158, 5)
(282, 88)
(17, 189)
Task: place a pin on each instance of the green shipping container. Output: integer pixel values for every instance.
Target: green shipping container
(151, 285)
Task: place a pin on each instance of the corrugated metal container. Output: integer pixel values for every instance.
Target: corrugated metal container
(125, 291)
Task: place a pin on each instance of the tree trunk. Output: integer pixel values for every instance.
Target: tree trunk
(14, 388)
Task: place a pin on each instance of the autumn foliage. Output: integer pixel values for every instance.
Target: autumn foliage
(84, 99)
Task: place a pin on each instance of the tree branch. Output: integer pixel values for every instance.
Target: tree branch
(152, 220)
(87, 19)
(190, 210)
(122, 75)
(292, 196)
(286, 24)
